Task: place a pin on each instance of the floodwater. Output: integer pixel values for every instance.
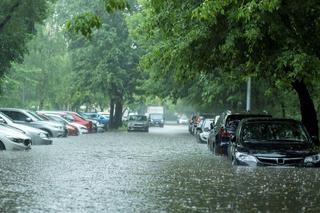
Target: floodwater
(161, 171)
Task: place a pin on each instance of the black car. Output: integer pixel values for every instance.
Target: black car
(156, 119)
(272, 142)
(221, 132)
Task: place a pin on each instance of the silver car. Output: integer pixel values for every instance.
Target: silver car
(29, 118)
(38, 136)
(138, 122)
(13, 139)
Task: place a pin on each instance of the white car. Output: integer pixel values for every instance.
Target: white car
(13, 139)
(183, 120)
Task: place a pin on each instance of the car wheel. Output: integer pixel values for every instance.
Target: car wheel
(49, 132)
(2, 147)
(198, 139)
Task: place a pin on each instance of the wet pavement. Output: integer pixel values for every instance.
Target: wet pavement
(164, 170)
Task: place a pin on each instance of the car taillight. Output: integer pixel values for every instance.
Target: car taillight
(224, 133)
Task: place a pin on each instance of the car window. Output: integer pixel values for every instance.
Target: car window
(279, 131)
(17, 116)
(156, 116)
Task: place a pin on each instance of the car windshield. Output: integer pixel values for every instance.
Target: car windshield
(156, 116)
(68, 118)
(138, 118)
(35, 115)
(273, 131)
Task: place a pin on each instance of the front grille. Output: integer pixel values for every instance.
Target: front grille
(280, 161)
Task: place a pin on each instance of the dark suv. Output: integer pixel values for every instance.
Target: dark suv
(220, 134)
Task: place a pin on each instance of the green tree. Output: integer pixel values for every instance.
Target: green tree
(17, 24)
(272, 40)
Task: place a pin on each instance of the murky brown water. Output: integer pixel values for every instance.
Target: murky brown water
(163, 171)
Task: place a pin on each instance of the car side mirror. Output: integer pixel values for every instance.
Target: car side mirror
(28, 119)
(211, 125)
(233, 139)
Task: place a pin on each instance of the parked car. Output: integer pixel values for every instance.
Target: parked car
(30, 118)
(203, 130)
(38, 136)
(63, 117)
(183, 119)
(72, 130)
(221, 132)
(138, 122)
(272, 142)
(80, 120)
(156, 119)
(13, 139)
(101, 121)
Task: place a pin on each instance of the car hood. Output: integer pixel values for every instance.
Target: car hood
(138, 122)
(49, 123)
(278, 149)
(9, 132)
(27, 129)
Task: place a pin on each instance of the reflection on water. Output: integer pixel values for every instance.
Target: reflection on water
(163, 171)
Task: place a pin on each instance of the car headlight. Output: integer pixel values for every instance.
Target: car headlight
(245, 158)
(17, 140)
(312, 159)
(43, 135)
(58, 127)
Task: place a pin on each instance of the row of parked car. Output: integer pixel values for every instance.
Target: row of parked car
(256, 139)
(20, 128)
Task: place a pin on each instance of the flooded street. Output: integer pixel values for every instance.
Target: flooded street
(161, 171)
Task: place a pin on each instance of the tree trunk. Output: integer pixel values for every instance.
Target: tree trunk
(111, 117)
(308, 112)
(118, 113)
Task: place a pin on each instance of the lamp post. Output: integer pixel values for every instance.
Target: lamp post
(248, 107)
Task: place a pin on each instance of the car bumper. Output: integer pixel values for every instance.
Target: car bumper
(138, 128)
(156, 123)
(59, 133)
(41, 141)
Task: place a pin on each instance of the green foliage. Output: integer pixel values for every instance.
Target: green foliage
(17, 25)
(84, 23)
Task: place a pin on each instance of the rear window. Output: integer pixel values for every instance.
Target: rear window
(156, 116)
(234, 119)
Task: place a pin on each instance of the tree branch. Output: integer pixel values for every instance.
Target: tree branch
(8, 17)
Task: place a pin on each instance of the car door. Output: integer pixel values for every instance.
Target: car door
(17, 117)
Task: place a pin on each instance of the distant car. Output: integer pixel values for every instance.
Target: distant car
(30, 118)
(204, 130)
(72, 130)
(65, 118)
(221, 132)
(156, 119)
(272, 142)
(13, 139)
(138, 123)
(38, 136)
(102, 121)
(182, 119)
(80, 120)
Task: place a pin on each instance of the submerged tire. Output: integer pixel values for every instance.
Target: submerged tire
(2, 147)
